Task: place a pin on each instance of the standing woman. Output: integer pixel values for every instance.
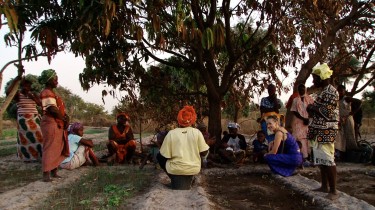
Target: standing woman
(323, 129)
(54, 126)
(30, 140)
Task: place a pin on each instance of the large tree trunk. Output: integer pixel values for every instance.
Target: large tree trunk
(214, 120)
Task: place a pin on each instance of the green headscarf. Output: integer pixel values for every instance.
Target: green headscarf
(46, 76)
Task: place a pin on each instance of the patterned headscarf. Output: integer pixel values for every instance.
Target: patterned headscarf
(186, 116)
(46, 76)
(322, 71)
(233, 125)
(73, 128)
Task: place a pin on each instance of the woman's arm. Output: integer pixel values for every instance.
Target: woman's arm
(276, 142)
(86, 142)
(54, 112)
(35, 98)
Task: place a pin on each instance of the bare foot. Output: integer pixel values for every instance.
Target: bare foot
(332, 196)
(321, 189)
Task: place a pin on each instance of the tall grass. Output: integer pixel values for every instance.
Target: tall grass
(104, 188)
(94, 130)
(9, 133)
(8, 151)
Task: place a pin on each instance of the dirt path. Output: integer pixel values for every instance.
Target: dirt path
(160, 196)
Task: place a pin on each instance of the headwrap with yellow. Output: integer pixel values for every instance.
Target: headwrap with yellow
(322, 71)
(186, 116)
(46, 76)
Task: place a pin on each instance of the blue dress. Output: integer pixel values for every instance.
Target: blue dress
(285, 163)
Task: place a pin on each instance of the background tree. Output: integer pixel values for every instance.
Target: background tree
(221, 42)
(20, 15)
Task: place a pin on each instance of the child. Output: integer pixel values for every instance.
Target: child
(81, 152)
(260, 147)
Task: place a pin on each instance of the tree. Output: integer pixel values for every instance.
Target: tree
(115, 37)
(19, 16)
(246, 42)
(335, 32)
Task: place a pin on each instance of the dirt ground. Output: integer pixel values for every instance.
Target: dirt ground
(249, 187)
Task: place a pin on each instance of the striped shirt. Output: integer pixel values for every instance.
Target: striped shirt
(26, 105)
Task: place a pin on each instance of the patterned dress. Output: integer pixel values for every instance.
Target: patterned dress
(29, 138)
(323, 128)
(287, 159)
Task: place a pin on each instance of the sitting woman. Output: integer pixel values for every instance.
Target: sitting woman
(285, 155)
(183, 147)
(81, 152)
(121, 145)
(233, 146)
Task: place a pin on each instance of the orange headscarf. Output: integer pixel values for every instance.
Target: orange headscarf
(186, 116)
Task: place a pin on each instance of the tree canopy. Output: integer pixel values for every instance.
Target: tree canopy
(230, 44)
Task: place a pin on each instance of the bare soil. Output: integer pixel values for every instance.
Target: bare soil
(254, 191)
(249, 187)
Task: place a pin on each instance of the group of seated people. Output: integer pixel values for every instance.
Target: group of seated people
(282, 154)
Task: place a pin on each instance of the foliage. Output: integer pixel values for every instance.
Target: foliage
(101, 189)
(368, 102)
(7, 151)
(9, 133)
(243, 45)
(165, 89)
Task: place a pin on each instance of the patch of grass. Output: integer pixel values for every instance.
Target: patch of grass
(8, 151)
(9, 133)
(6, 143)
(101, 189)
(14, 177)
(99, 147)
(144, 135)
(94, 131)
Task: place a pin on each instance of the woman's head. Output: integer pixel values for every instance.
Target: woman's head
(49, 78)
(76, 128)
(233, 127)
(273, 123)
(26, 85)
(186, 116)
(271, 89)
(122, 118)
(321, 74)
(301, 89)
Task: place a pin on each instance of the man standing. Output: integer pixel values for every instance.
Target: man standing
(323, 128)
(269, 105)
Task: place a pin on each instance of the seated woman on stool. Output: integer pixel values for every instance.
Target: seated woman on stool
(183, 147)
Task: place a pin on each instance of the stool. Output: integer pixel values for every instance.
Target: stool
(181, 182)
